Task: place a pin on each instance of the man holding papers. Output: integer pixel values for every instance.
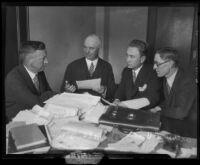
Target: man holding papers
(90, 74)
(139, 83)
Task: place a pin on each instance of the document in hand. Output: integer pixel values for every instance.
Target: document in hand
(136, 103)
(89, 84)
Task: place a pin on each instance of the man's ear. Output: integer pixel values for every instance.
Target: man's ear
(143, 58)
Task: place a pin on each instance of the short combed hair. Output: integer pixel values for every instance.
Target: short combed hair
(29, 47)
(169, 53)
(141, 45)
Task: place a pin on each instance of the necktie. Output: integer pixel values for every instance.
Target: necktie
(168, 87)
(134, 76)
(36, 83)
(91, 70)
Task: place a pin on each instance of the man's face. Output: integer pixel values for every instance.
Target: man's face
(38, 60)
(162, 66)
(91, 48)
(133, 58)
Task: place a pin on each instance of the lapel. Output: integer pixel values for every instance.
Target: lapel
(84, 68)
(165, 89)
(98, 69)
(174, 85)
(131, 87)
(142, 75)
(27, 79)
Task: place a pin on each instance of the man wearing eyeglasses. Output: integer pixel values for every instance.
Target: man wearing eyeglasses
(179, 109)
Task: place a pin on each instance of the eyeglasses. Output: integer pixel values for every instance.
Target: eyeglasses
(157, 65)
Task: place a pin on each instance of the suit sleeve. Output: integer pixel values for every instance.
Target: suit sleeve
(22, 97)
(120, 92)
(183, 101)
(67, 76)
(153, 93)
(110, 84)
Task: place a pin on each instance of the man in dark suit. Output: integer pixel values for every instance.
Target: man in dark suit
(179, 109)
(90, 67)
(26, 84)
(138, 80)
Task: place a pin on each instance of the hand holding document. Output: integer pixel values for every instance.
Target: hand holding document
(136, 103)
(94, 84)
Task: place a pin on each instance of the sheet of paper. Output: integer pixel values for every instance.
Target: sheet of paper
(89, 84)
(29, 117)
(136, 142)
(136, 103)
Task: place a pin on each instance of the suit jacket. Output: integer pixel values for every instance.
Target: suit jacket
(128, 90)
(179, 110)
(21, 93)
(78, 70)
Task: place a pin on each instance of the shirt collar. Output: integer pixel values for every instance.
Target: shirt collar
(31, 74)
(170, 79)
(137, 70)
(89, 62)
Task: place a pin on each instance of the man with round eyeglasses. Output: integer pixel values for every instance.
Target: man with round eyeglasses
(179, 108)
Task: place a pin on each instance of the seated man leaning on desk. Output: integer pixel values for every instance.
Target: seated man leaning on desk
(88, 68)
(26, 84)
(179, 109)
(138, 80)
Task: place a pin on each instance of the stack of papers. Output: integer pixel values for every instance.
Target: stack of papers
(81, 101)
(94, 113)
(78, 135)
(59, 111)
(89, 84)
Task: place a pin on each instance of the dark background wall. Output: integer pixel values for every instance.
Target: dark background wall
(63, 30)
(174, 28)
(11, 39)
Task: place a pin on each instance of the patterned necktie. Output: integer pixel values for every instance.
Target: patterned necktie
(91, 70)
(36, 83)
(134, 76)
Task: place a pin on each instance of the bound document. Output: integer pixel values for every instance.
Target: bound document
(130, 119)
(27, 136)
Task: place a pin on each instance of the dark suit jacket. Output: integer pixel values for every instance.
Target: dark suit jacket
(21, 93)
(128, 90)
(179, 110)
(77, 70)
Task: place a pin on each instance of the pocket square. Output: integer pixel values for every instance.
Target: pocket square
(143, 88)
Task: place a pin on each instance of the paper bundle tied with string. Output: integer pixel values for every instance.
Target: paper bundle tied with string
(79, 135)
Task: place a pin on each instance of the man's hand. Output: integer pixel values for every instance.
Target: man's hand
(69, 88)
(155, 109)
(101, 90)
(116, 102)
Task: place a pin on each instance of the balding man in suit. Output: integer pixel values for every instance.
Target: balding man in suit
(91, 66)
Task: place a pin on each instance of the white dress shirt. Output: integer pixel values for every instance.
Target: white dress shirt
(170, 79)
(31, 74)
(89, 63)
(137, 70)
